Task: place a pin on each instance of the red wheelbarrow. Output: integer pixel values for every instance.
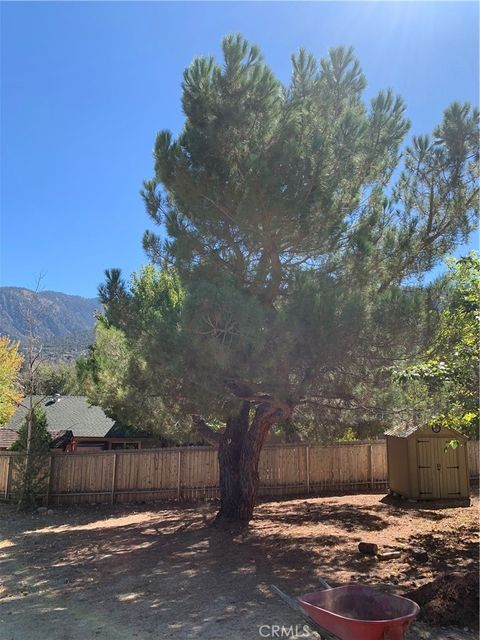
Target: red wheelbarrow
(354, 612)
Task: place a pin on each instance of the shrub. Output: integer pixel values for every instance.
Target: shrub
(31, 468)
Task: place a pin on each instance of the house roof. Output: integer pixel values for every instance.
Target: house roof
(75, 414)
(7, 437)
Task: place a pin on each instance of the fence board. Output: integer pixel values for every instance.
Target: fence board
(4, 469)
(379, 463)
(191, 473)
(282, 470)
(473, 458)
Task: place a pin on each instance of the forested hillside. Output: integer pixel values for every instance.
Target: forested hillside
(64, 323)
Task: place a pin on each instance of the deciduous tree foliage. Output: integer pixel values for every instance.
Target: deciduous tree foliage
(132, 368)
(55, 377)
(10, 364)
(297, 251)
(449, 367)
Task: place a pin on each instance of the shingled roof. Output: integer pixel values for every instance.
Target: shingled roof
(406, 431)
(76, 414)
(7, 437)
(402, 431)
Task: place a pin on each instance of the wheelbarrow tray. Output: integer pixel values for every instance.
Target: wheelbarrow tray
(356, 612)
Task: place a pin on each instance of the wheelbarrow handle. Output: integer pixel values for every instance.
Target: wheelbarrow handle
(294, 604)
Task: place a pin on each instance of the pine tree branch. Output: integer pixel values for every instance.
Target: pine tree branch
(206, 431)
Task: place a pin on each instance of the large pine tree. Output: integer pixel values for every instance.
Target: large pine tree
(298, 224)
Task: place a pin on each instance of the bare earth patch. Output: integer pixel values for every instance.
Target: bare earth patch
(126, 572)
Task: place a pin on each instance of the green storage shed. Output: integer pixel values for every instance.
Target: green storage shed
(423, 464)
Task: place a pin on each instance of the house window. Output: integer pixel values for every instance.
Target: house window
(91, 445)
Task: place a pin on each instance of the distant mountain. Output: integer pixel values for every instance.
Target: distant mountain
(62, 322)
(68, 346)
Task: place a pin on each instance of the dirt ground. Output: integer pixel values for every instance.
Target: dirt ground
(140, 572)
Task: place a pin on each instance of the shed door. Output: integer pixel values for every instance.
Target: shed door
(427, 472)
(448, 473)
(438, 468)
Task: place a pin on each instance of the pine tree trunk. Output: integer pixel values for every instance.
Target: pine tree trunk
(229, 454)
(238, 456)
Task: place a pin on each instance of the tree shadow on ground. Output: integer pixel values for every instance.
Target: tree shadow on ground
(352, 518)
(445, 554)
(431, 510)
(171, 570)
(177, 577)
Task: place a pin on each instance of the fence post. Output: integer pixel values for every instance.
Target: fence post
(7, 481)
(370, 465)
(307, 467)
(179, 473)
(114, 477)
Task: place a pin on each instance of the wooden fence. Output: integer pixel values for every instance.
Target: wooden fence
(191, 473)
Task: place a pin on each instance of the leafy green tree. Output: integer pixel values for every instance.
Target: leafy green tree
(56, 377)
(31, 468)
(449, 368)
(120, 372)
(298, 254)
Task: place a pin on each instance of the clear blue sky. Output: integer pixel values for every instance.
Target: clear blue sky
(85, 87)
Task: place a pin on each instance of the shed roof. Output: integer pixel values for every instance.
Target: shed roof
(402, 431)
(407, 430)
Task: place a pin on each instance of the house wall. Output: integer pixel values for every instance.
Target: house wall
(109, 444)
